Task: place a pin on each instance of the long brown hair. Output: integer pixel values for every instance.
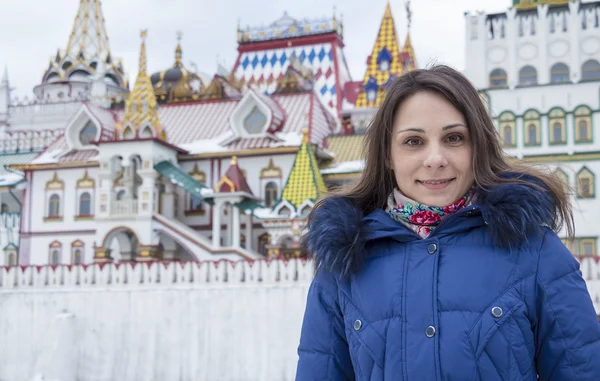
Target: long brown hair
(489, 161)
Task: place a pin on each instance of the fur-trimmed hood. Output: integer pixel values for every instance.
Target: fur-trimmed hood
(338, 231)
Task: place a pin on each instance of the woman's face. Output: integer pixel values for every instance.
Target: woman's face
(431, 150)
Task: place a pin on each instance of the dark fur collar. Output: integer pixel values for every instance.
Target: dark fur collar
(337, 235)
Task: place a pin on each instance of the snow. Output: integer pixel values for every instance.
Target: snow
(207, 145)
(264, 213)
(345, 167)
(47, 157)
(207, 192)
(10, 179)
(293, 139)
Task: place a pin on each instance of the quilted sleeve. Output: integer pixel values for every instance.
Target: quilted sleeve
(567, 332)
(323, 350)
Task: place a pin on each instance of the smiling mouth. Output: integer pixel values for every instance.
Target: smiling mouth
(435, 184)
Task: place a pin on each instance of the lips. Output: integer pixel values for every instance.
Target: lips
(436, 184)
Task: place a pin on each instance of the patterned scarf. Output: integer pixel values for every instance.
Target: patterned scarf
(422, 219)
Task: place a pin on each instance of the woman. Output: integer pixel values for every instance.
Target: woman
(443, 263)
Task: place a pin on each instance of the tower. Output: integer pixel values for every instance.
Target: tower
(265, 54)
(70, 72)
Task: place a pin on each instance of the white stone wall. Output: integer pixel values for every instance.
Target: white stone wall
(213, 321)
(210, 321)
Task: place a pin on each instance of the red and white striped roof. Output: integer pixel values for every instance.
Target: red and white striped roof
(204, 126)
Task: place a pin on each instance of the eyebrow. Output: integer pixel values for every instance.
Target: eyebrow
(420, 130)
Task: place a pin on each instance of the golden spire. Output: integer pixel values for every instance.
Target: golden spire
(141, 110)
(234, 160)
(142, 68)
(383, 62)
(178, 52)
(88, 35)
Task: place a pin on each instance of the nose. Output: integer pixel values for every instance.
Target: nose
(435, 157)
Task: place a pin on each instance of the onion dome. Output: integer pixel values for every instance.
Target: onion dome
(177, 84)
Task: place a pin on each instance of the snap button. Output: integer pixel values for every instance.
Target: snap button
(430, 331)
(357, 325)
(432, 248)
(497, 312)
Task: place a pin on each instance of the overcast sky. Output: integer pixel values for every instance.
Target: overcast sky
(32, 30)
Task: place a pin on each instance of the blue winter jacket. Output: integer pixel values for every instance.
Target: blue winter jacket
(492, 294)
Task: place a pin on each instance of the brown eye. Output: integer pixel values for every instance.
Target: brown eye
(412, 142)
(454, 138)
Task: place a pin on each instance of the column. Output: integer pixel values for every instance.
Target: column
(235, 228)
(216, 224)
(249, 237)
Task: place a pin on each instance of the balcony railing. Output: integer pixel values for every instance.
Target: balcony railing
(123, 207)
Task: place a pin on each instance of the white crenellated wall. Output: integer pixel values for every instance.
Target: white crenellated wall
(212, 321)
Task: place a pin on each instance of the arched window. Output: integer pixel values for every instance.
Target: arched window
(120, 195)
(128, 133)
(55, 257)
(498, 78)
(270, 193)
(532, 128)
(527, 76)
(590, 70)
(285, 211)
(507, 129)
(263, 241)
(255, 121)
(583, 124)
(562, 176)
(85, 204)
(556, 124)
(55, 253)
(508, 134)
(54, 206)
(559, 73)
(77, 256)
(11, 259)
(147, 132)
(88, 133)
(585, 183)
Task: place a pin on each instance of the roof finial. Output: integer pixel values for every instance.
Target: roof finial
(304, 135)
(408, 13)
(234, 160)
(143, 35)
(178, 52)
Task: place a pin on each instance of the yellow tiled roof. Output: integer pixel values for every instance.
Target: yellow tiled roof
(386, 38)
(408, 48)
(346, 148)
(305, 181)
(526, 4)
(141, 106)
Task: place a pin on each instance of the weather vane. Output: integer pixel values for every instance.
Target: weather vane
(179, 35)
(408, 12)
